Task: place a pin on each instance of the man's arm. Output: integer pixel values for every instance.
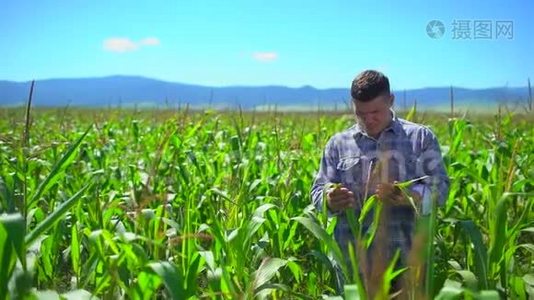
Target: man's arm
(327, 174)
(431, 164)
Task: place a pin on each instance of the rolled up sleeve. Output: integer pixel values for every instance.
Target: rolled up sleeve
(437, 184)
(327, 174)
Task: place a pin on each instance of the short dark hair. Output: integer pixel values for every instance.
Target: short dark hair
(368, 85)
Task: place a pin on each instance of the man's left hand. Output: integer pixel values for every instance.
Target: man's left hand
(393, 195)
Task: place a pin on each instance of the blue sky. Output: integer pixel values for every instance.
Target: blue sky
(293, 43)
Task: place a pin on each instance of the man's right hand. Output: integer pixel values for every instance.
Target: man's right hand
(340, 198)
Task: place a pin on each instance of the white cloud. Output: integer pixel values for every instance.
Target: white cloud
(265, 56)
(122, 44)
(119, 45)
(149, 41)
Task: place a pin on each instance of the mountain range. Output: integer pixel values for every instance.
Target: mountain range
(128, 91)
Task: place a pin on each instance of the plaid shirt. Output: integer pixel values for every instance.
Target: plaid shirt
(411, 150)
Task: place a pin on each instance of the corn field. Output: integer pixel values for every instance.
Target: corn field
(127, 204)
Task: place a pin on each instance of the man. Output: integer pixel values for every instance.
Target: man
(368, 159)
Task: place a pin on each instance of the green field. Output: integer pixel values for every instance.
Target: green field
(176, 204)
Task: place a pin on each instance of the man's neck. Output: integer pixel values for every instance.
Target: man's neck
(389, 123)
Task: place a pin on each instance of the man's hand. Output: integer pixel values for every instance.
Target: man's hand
(390, 194)
(340, 198)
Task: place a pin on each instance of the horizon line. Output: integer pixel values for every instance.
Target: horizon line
(253, 86)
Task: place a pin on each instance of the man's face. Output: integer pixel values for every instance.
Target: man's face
(374, 115)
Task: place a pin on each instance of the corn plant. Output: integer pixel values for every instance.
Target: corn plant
(181, 204)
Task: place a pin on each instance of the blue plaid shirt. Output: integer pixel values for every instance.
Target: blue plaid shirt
(411, 150)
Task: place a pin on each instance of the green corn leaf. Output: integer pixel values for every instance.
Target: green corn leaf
(367, 206)
(55, 216)
(451, 290)
(352, 292)
(481, 254)
(487, 295)
(280, 287)
(56, 172)
(360, 288)
(324, 237)
(469, 279)
(75, 250)
(171, 277)
(15, 228)
(192, 273)
(266, 271)
(449, 293)
(6, 262)
(389, 275)
(529, 279)
(498, 236)
(406, 184)
(148, 283)
(46, 295)
(374, 225)
(7, 197)
(411, 114)
(430, 228)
